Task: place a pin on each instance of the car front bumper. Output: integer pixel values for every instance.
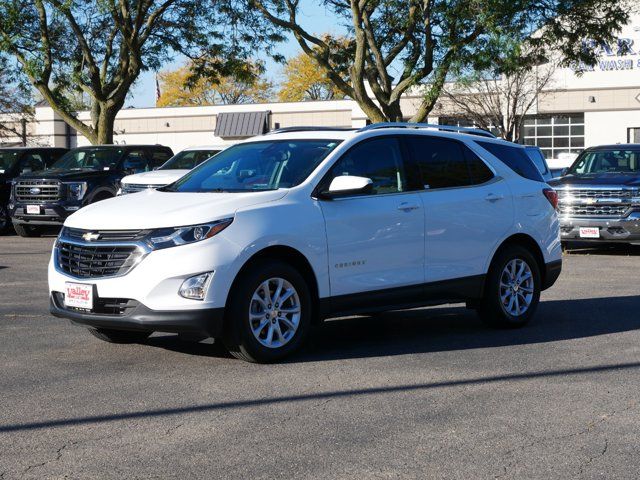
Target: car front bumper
(625, 229)
(50, 213)
(138, 317)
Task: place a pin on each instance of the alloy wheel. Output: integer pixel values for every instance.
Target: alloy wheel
(516, 287)
(274, 312)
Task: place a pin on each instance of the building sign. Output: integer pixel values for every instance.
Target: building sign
(624, 55)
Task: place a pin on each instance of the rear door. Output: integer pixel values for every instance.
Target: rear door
(467, 208)
(375, 241)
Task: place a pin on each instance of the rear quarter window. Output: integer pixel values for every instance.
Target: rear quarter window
(515, 158)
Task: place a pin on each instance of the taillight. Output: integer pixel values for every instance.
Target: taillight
(552, 196)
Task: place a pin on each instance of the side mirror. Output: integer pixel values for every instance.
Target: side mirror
(563, 172)
(346, 185)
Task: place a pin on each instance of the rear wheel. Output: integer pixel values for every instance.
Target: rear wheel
(118, 336)
(269, 313)
(512, 289)
(27, 230)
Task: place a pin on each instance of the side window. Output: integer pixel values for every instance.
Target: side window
(378, 159)
(135, 161)
(515, 158)
(478, 170)
(31, 162)
(442, 163)
(158, 157)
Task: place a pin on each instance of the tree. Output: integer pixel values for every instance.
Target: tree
(499, 101)
(306, 80)
(179, 88)
(410, 46)
(99, 48)
(16, 106)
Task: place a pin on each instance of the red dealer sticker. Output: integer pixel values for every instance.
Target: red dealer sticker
(79, 295)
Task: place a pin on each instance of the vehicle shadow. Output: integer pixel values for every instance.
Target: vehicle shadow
(613, 249)
(445, 329)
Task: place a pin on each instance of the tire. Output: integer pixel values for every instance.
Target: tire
(101, 196)
(492, 310)
(119, 336)
(27, 230)
(246, 313)
(5, 220)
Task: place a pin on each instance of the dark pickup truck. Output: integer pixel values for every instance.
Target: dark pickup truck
(21, 161)
(599, 196)
(82, 176)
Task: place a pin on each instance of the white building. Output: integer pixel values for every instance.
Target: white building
(577, 111)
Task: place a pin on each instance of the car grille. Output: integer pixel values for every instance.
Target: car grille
(136, 187)
(38, 191)
(84, 261)
(105, 235)
(594, 210)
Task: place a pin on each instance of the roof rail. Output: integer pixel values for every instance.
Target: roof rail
(310, 129)
(446, 128)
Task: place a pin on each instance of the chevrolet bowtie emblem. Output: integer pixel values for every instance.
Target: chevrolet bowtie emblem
(90, 236)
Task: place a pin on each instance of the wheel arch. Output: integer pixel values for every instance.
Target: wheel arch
(527, 242)
(288, 255)
(101, 193)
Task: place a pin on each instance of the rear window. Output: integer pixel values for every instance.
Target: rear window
(515, 158)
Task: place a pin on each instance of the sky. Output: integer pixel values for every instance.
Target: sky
(312, 17)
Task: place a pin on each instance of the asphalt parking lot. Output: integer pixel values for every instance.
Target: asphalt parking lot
(430, 393)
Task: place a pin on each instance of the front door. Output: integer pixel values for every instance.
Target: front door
(375, 241)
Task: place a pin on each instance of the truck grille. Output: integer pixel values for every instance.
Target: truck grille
(38, 191)
(585, 193)
(136, 187)
(594, 210)
(84, 261)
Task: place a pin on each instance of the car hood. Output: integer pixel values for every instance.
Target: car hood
(154, 209)
(601, 179)
(155, 177)
(66, 175)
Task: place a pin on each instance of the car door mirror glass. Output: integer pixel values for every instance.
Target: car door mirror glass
(349, 185)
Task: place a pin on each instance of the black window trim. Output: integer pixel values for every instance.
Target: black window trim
(464, 147)
(315, 194)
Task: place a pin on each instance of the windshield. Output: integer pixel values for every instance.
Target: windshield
(607, 161)
(257, 166)
(89, 158)
(188, 159)
(7, 160)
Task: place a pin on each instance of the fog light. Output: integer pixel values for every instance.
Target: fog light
(195, 288)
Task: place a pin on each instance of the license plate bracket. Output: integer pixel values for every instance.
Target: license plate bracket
(33, 209)
(79, 295)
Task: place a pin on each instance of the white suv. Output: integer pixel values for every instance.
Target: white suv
(279, 232)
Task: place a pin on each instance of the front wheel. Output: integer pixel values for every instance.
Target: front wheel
(119, 336)
(512, 289)
(27, 230)
(269, 313)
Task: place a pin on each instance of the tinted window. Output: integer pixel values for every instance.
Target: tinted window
(255, 166)
(158, 157)
(7, 160)
(607, 161)
(515, 158)
(186, 160)
(31, 162)
(537, 158)
(377, 159)
(445, 163)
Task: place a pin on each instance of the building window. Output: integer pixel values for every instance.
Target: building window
(554, 134)
(633, 135)
(464, 122)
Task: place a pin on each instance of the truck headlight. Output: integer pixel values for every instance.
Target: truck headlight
(76, 190)
(175, 236)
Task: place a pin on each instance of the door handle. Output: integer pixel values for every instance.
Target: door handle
(407, 207)
(492, 197)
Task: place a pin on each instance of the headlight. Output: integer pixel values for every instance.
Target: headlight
(76, 190)
(172, 237)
